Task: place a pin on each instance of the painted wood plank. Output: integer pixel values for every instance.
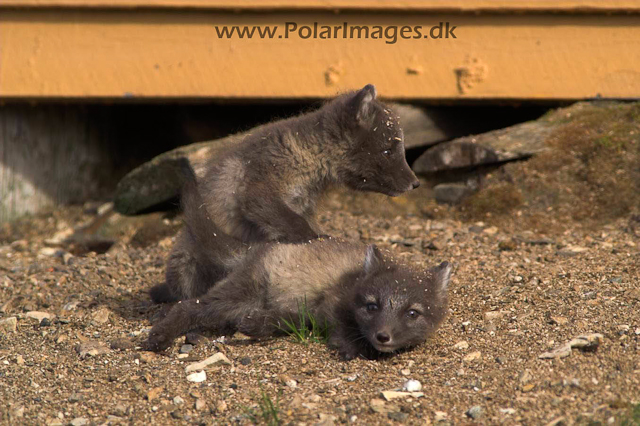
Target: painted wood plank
(161, 54)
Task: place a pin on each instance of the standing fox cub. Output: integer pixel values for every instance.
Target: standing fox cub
(267, 187)
(372, 304)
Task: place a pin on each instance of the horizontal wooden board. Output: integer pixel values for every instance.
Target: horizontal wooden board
(440, 5)
(163, 54)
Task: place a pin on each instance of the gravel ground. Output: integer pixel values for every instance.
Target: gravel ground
(71, 327)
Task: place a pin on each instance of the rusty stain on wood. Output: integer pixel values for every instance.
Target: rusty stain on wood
(87, 53)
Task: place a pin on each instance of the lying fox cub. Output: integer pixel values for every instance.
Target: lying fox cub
(372, 304)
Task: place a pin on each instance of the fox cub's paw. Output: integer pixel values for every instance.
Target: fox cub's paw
(158, 340)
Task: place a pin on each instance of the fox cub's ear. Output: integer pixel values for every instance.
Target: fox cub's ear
(441, 276)
(362, 100)
(372, 259)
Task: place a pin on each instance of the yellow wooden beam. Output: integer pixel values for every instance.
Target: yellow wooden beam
(422, 5)
(118, 54)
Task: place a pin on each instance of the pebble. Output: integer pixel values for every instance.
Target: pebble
(178, 400)
(492, 230)
(412, 386)
(221, 406)
(91, 348)
(559, 320)
(405, 372)
(200, 404)
(19, 245)
(461, 345)
(507, 411)
(379, 406)
(8, 325)
(38, 315)
(119, 410)
(46, 322)
(71, 306)
(75, 397)
(213, 359)
(392, 394)
(493, 315)
(67, 258)
(571, 251)
(585, 342)
(50, 252)
(154, 393)
(146, 356)
(185, 349)
(473, 356)
(398, 416)
(122, 344)
(245, 360)
(101, 316)
(474, 412)
(197, 377)
(291, 383)
(440, 416)
(79, 421)
(507, 245)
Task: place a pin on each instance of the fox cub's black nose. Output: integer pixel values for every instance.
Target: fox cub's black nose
(416, 184)
(383, 337)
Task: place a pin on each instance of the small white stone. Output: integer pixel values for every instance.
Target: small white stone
(412, 386)
(197, 377)
(291, 383)
(461, 345)
(178, 400)
(213, 359)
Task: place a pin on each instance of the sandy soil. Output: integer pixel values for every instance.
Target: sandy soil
(515, 294)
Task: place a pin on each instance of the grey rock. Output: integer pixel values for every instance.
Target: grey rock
(452, 193)
(185, 349)
(8, 325)
(120, 410)
(122, 344)
(454, 155)
(160, 179)
(79, 421)
(474, 412)
(91, 348)
(398, 416)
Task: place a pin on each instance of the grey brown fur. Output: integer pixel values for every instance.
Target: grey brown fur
(267, 188)
(373, 304)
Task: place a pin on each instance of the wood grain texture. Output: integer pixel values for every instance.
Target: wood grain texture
(124, 55)
(430, 5)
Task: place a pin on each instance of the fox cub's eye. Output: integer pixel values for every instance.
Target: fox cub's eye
(386, 152)
(412, 313)
(372, 307)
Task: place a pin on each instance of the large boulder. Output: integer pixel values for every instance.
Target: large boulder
(159, 180)
(499, 146)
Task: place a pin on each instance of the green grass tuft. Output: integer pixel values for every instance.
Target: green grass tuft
(306, 327)
(267, 411)
(633, 417)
